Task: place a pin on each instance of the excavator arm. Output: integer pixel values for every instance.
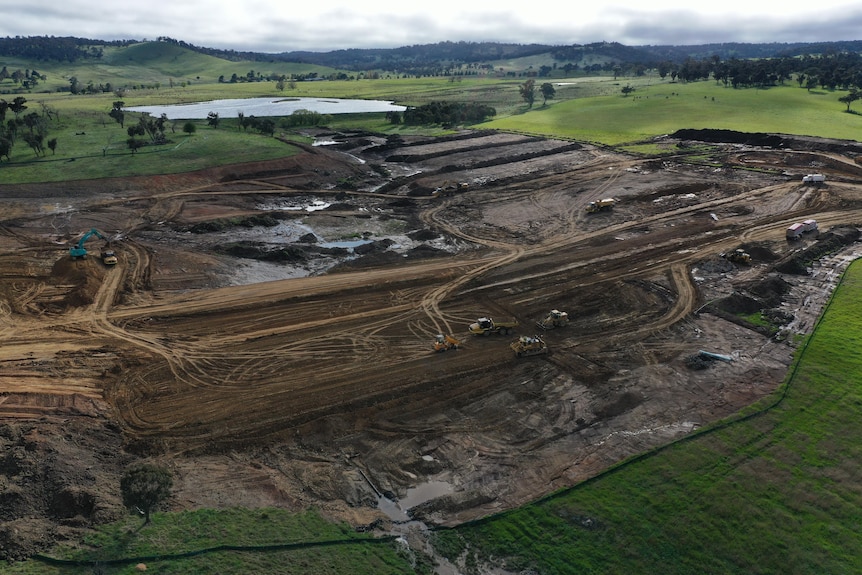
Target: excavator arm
(78, 250)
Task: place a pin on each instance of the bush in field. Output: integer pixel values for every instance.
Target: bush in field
(448, 114)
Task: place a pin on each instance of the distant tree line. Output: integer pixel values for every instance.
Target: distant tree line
(444, 58)
(54, 49)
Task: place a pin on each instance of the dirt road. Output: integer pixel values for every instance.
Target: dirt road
(267, 331)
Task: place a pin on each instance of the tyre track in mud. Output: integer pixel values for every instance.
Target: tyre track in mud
(264, 359)
(329, 381)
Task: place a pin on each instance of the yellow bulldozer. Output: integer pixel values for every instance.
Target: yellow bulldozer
(529, 345)
(737, 256)
(555, 318)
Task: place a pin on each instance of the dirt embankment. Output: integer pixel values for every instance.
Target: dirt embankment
(267, 331)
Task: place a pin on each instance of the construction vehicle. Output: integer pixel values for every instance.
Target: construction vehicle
(445, 342)
(602, 205)
(529, 345)
(487, 326)
(448, 188)
(78, 250)
(109, 257)
(737, 256)
(555, 318)
(813, 179)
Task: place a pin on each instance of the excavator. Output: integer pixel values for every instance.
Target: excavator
(78, 251)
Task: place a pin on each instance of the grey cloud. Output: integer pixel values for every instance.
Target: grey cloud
(276, 31)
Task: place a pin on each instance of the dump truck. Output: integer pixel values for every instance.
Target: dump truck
(445, 342)
(529, 345)
(737, 256)
(448, 188)
(601, 205)
(487, 326)
(795, 231)
(813, 179)
(555, 318)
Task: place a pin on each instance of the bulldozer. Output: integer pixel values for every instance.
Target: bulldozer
(445, 342)
(737, 256)
(529, 345)
(555, 318)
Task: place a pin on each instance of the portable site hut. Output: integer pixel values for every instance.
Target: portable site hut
(810, 225)
(795, 231)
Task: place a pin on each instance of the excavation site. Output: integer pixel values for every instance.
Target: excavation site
(401, 329)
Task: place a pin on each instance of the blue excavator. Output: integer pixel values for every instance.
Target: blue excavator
(78, 251)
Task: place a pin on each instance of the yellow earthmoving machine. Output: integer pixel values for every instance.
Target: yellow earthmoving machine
(738, 256)
(529, 345)
(602, 205)
(555, 318)
(487, 326)
(109, 256)
(448, 188)
(445, 342)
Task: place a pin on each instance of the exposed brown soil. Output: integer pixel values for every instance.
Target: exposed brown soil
(239, 344)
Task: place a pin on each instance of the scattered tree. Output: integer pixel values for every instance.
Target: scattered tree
(528, 92)
(626, 90)
(18, 105)
(213, 119)
(117, 113)
(548, 92)
(5, 147)
(144, 487)
(52, 144)
(189, 128)
(134, 144)
(850, 98)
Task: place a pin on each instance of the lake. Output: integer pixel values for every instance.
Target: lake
(261, 107)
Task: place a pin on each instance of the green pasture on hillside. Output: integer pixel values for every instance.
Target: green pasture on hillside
(777, 491)
(89, 149)
(663, 108)
(590, 109)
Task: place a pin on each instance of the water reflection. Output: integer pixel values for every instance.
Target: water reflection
(262, 107)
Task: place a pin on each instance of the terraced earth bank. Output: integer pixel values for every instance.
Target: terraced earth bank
(267, 332)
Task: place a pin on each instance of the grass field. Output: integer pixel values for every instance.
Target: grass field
(778, 491)
(267, 541)
(90, 144)
(662, 108)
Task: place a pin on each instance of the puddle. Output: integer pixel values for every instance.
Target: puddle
(346, 244)
(314, 206)
(397, 510)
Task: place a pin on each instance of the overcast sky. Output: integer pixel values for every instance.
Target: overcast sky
(274, 26)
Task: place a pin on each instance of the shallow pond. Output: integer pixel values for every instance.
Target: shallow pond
(261, 107)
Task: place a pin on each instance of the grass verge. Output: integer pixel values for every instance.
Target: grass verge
(229, 541)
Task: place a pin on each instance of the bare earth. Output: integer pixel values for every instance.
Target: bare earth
(267, 364)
